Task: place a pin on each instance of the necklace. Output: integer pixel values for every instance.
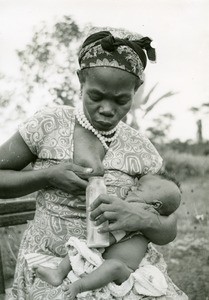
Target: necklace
(101, 135)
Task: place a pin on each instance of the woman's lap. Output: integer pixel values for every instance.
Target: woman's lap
(26, 288)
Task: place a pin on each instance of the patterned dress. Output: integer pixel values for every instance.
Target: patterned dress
(49, 135)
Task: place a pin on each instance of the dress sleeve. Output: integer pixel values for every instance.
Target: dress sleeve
(152, 160)
(35, 128)
(156, 162)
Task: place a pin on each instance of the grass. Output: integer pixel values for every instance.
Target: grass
(185, 165)
(187, 257)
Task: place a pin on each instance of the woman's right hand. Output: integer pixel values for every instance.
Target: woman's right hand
(68, 177)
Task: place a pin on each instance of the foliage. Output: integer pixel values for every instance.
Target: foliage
(144, 104)
(48, 65)
(11, 103)
(185, 165)
(48, 62)
(158, 132)
(185, 147)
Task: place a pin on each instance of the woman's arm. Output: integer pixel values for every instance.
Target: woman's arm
(15, 156)
(160, 230)
(134, 217)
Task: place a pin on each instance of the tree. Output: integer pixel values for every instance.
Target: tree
(48, 63)
(48, 66)
(199, 112)
(160, 129)
(145, 104)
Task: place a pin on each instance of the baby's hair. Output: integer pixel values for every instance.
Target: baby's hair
(170, 206)
(171, 177)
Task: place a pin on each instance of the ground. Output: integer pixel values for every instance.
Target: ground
(187, 257)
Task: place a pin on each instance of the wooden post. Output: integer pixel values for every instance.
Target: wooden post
(2, 286)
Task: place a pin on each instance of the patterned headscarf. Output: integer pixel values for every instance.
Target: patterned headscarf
(103, 49)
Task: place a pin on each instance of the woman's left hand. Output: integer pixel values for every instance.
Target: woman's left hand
(122, 215)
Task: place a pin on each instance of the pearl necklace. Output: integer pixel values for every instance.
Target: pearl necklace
(84, 122)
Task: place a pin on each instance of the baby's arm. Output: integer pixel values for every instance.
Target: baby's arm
(121, 260)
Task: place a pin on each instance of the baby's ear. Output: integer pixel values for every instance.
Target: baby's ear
(157, 204)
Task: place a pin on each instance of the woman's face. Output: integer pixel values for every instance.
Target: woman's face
(107, 95)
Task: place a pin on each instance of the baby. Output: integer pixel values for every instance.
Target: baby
(161, 193)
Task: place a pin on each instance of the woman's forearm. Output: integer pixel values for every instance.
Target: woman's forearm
(159, 229)
(19, 183)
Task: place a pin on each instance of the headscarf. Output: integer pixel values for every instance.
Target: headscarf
(103, 49)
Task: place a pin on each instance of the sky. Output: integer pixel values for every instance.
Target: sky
(179, 29)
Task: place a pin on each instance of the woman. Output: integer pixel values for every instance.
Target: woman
(54, 140)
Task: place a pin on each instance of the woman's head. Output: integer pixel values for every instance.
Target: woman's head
(111, 70)
(107, 96)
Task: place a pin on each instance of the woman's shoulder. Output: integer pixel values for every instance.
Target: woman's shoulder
(133, 134)
(133, 153)
(135, 137)
(56, 110)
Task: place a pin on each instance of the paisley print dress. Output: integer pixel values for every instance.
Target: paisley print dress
(49, 134)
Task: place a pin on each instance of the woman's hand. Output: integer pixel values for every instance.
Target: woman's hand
(121, 215)
(134, 216)
(68, 177)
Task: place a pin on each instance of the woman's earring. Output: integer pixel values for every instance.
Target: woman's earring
(80, 93)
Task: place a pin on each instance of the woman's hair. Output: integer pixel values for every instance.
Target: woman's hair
(85, 72)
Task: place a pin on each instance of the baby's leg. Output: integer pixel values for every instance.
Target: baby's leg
(54, 276)
(130, 252)
(121, 260)
(110, 270)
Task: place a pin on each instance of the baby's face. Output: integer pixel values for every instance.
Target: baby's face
(162, 194)
(151, 188)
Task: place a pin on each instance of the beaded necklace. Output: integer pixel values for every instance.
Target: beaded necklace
(101, 135)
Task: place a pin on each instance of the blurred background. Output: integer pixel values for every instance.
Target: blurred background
(39, 40)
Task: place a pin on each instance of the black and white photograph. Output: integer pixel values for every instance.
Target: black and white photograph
(104, 117)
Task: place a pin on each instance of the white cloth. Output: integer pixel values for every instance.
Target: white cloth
(42, 259)
(147, 280)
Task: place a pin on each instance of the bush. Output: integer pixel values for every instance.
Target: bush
(184, 165)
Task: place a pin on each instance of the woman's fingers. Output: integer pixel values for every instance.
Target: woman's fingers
(100, 205)
(100, 200)
(78, 169)
(110, 227)
(76, 182)
(106, 216)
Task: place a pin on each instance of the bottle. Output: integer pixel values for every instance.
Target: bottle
(95, 239)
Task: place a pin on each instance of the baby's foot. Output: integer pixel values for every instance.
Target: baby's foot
(52, 276)
(72, 290)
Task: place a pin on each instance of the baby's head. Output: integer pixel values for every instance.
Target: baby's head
(160, 190)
